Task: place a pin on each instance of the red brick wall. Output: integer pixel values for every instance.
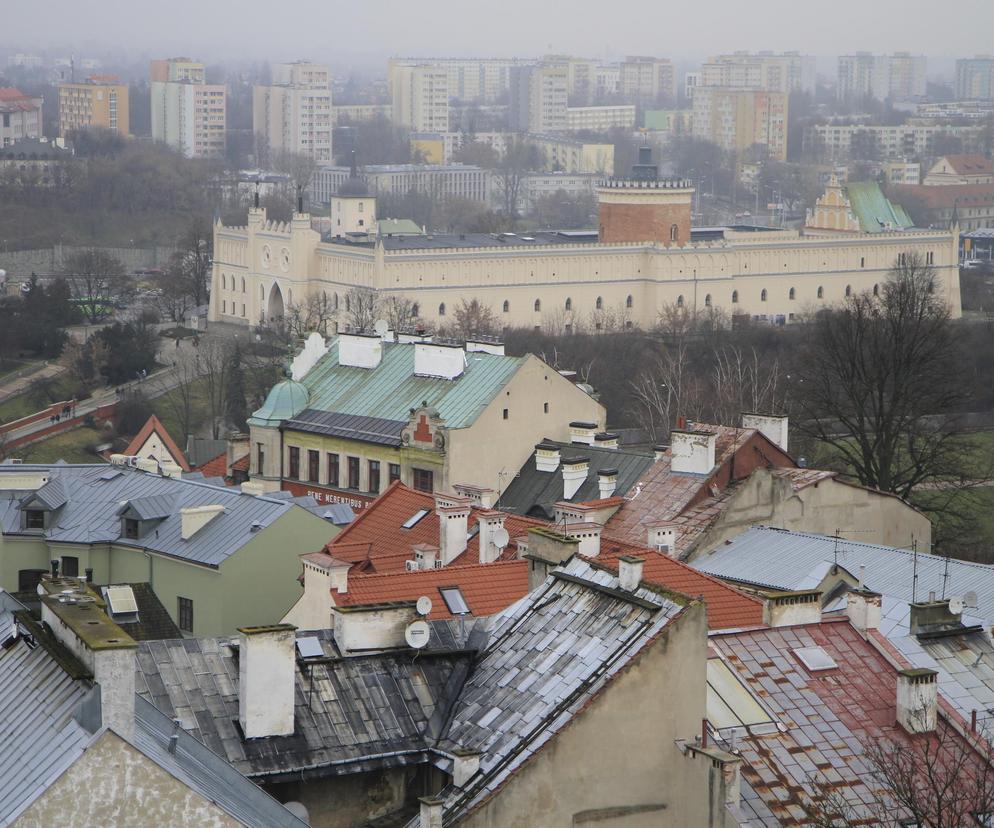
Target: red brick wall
(644, 222)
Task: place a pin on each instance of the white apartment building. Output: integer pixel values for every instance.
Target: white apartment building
(20, 116)
(736, 119)
(647, 79)
(187, 113)
(600, 118)
(539, 98)
(691, 80)
(293, 114)
(975, 78)
(420, 97)
(889, 143)
(441, 181)
(898, 77)
(786, 72)
(534, 186)
(468, 79)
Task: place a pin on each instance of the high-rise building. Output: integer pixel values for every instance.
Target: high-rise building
(736, 119)
(420, 96)
(293, 113)
(786, 72)
(898, 77)
(539, 97)
(647, 79)
(100, 101)
(187, 113)
(975, 78)
(20, 116)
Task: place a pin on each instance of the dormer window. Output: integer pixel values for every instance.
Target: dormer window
(132, 528)
(34, 519)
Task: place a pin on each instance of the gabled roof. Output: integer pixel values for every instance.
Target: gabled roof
(874, 210)
(945, 196)
(216, 466)
(392, 389)
(154, 426)
(969, 164)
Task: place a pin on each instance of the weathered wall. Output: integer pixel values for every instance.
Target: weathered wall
(114, 784)
(20, 264)
(618, 756)
(344, 801)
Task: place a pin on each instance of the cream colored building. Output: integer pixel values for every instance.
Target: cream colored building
(293, 113)
(101, 101)
(538, 98)
(647, 79)
(600, 118)
(420, 97)
(736, 119)
(187, 113)
(787, 72)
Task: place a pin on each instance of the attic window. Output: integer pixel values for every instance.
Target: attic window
(34, 519)
(122, 600)
(414, 519)
(815, 658)
(309, 647)
(132, 528)
(454, 600)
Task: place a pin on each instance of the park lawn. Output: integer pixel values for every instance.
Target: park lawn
(9, 366)
(29, 402)
(977, 505)
(72, 446)
(167, 409)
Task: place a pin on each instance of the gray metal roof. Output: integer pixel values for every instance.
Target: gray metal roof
(92, 512)
(780, 559)
(350, 426)
(152, 507)
(201, 449)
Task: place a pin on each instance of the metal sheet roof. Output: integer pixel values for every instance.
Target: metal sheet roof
(391, 390)
(351, 426)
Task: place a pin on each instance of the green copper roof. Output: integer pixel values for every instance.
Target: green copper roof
(875, 212)
(286, 400)
(391, 390)
(398, 227)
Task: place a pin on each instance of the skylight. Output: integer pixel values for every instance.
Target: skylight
(729, 702)
(309, 647)
(815, 658)
(454, 600)
(413, 520)
(122, 600)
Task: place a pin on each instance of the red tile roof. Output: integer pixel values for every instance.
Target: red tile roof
(946, 195)
(216, 466)
(969, 164)
(241, 464)
(153, 424)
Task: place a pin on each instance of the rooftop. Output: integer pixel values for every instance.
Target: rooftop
(975, 164)
(874, 210)
(154, 426)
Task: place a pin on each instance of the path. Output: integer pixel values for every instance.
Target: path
(18, 385)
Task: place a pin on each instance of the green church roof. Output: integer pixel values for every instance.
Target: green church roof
(286, 399)
(874, 211)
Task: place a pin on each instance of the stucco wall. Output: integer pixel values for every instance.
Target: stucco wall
(113, 784)
(345, 801)
(619, 753)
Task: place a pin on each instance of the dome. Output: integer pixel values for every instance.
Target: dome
(353, 187)
(285, 401)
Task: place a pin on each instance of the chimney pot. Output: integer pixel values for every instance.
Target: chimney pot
(659, 452)
(431, 812)
(464, 766)
(434, 359)
(630, 572)
(489, 522)
(55, 567)
(917, 700)
(359, 350)
(453, 526)
(582, 432)
(607, 481)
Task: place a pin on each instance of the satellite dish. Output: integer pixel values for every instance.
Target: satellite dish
(970, 599)
(424, 605)
(381, 326)
(501, 538)
(956, 606)
(417, 634)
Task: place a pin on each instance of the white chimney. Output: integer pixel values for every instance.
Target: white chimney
(489, 522)
(425, 555)
(607, 481)
(195, 518)
(453, 530)
(917, 700)
(358, 350)
(481, 496)
(659, 452)
(253, 487)
(772, 427)
(431, 812)
(546, 457)
(589, 536)
(630, 572)
(267, 675)
(787, 609)
(692, 452)
(171, 469)
(606, 439)
(314, 349)
(465, 764)
(433, 359)
(485, 346)
(662, 537)
(323, 575)
(581, 432)
(361, 628)
(574, 473)
(863, 609)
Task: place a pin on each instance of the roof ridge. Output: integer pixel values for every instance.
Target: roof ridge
(440, 570)
(377, 503)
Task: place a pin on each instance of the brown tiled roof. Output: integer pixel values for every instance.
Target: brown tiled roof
(216, 466)
(241, 464)
(970, 164)
(939, 196)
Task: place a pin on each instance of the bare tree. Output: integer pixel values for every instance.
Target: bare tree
(190, 266)
(518, 158)
(399, 312)
(180, 399)
(313, 314)
(94, 277)
(743, 380)
(212, 362)
(298, 167)
(473, 318)
(667, 387)
(361, 308)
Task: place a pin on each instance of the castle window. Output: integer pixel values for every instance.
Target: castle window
(538, 304)
(569, 304)
(415, 310)
(507, 306)
(707, 301)
(876, 289)
(848, 290)
(599, 304)
(441, 309)
(762, 295)
(735, 297)
(243, 284)
(792, 294)
(679, 301)
(629, 302)
(821, 292)
(674, 232)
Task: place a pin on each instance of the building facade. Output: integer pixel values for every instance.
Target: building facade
(787, 72)
(538, 98)
(420, 97)
(20, 116)
(975, 78)
(841, 142)
(600, 118)
(187, 113)
(736, 119)
(897, 77)
(293, 113)
(647, 79)
(100, 102)
(441, 181)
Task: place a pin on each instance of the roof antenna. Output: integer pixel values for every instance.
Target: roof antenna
(914, 570)
(945, 577)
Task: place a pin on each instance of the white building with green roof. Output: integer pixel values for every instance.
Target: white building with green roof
(856, 207)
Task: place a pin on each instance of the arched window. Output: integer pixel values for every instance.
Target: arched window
(415, 310)
(707, 301)
(599, 304)
(762, 295)
(538, 304)
(262, 293)
(629, 301)
(507, 306)
(569, 303)
(876, 290)
(735, 297)
(674, 232)
(334, 300)
(679, 301)
(243, 284)
(848, 290)
(792, 294)
(821, 292)
(441, 309)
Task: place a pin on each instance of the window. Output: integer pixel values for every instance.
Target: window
(28, 579)
(707, 301)
(674, 232)
(184, 609)
(629, 302)
(441, 309)
(353, 472)
(413, 520)
(679, 301)
(862, 261)
(792, 294)
(848, 290)
(294, 462)
(507, 306)
(545, 408)
(821, 292)
(876, 289)
(243, 284)
(393, 472)
(131, 528)
(538, 305)
(505, 413)
(70, 566)
(599, 304)
(735, 297)
(332, 469)
(424, 480)
(569, 303)
(34, 519)
(260, 457)
(454, 600)
(762, 295)
(374, 476)
(313, 465)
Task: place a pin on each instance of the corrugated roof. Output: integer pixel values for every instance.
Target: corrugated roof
(391, 390)
(351, 426)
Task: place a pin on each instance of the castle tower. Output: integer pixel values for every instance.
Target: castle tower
(644, 207)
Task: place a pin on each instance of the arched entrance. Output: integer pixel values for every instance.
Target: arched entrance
(275, 311)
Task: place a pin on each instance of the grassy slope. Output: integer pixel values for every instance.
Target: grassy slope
(71, 446)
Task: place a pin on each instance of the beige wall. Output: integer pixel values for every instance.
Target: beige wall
(855, 512)
(620, 752)
(115, 784)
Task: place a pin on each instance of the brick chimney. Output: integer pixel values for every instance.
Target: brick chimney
(692, 452)
(790, 608)
(267, 675)
(546, 457)
(489, 522)
(574, 474)
(607, 482)
(863, 609)
(453, 527)
(547, 549)
(917, 700)
(630, 572)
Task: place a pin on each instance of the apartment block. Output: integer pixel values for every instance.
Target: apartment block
(187, 113)
(293, 113)
(898, 77)
(840, 142)
(101, 102)
(539, 96)
(441, 181)
(600, 118)
(736, 119)
(647, 79)
(468, 79)
(20, 116)
(975, 78)
(420, 97)
(786, 72)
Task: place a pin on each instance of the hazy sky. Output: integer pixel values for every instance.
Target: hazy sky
(332, 30)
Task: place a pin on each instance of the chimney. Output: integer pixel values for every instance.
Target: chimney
(789, 608)
(692, 452)
(359, 350)
(659, 452)
(607, 482)
(465, 764)
(581, 432)
(324, 577)
(772, 427)
(425, 555)
(267, 676)
(485, 345)
(252, 487)
(362, 628)
(453, 526)
(547, 549)
(662, 537)
(435, 359)
(431, 812)
(480, 496)
(917, 700)
(489, 522)
(606, 439)
(863, 609)
(933, 616)
(630, 572)
(546, 457)
(574, 474)
(195, 518)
